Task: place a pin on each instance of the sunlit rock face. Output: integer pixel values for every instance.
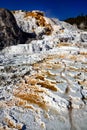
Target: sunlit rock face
(43, 83)
(36, 22)
(33, 22)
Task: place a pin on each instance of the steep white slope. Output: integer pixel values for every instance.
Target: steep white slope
(36, 22)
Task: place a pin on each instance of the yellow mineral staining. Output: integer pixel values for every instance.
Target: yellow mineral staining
(10, 122)
(50, 57)
(84, 69)
(54, 66)
(77, 57)
(57, 66)
(48, 84)
(39, 16)
(63, 56)
(19, 126)
(19, 102)
(33, 89)
(34, 14)
(64, 44)
(10, 103)
(72, 68)
(29, 107)
(31, 94)
(33, 98)
(36, 65)
(83, 83)
(30, 80)
(60, 55)
(83, 53)
(48, 73)
(47, 64)
(2, 104)
(39, 76)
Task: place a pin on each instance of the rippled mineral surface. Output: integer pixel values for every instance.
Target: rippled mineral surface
(44, 91)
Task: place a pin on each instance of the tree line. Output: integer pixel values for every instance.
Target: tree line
(79, 21)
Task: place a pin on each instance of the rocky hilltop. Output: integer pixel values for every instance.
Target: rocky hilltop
(43, 73)
(10, 33)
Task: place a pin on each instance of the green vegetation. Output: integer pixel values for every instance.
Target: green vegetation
(80, 21)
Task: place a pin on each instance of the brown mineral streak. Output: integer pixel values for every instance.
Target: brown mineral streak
(40, 20)
(10, 123)
(83, 83)
(63, 44)
(32, 95)
(48, 85)
(32, 90)
(83, 53)
(33, 98)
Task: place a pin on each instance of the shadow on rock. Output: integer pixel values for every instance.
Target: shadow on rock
(10, 33)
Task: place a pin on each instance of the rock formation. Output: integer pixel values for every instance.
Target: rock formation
(10, 33)
(33, 21)
(43, 84)
(84, 37)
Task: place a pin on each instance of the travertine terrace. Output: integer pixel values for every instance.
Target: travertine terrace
(43, 84)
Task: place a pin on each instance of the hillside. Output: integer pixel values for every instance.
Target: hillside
(80, 21)
(43, 73)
